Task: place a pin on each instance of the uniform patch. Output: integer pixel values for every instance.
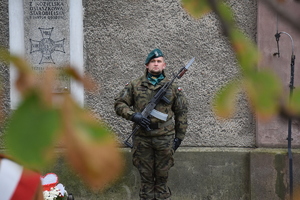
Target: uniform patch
(126, 84)
(179, 88)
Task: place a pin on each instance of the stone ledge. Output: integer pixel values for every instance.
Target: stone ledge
(199, 173)
(203, 173)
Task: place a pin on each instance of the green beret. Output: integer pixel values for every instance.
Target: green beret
(153, 54)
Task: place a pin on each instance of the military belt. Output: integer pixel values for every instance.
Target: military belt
(160, 125)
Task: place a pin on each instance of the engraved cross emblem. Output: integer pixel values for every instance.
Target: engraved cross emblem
(47, 46)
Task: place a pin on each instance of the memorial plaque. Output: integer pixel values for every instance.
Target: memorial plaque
(47, 37)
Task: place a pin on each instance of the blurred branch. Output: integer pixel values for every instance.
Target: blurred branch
(214, 6)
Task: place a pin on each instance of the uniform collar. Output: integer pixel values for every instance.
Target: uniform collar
(147, 83)
(155, 79)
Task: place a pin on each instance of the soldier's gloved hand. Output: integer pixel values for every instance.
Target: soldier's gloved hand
(141, 120)
(176, 143)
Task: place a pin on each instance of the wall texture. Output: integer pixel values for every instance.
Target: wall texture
(120, 34)
(4, 70)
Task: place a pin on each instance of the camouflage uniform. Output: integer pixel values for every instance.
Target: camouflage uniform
(152, 150)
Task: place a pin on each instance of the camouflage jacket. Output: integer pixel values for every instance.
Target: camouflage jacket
(135, 96)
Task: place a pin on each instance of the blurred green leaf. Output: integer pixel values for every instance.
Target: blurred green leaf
(94, 130)
(226, 13)
(83, 121)
(21, 64)
(293, 107)
(4, 55)
(224, 101)
(197, 8)
(98, 162)
(33, 129)
(246, 51)
(91, 149)
(264, 90)
(31, 132)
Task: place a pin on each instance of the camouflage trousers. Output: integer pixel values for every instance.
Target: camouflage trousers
(153, 157)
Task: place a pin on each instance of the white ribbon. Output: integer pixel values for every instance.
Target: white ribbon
(10, 174)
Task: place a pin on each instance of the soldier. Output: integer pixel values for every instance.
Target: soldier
(156, 141)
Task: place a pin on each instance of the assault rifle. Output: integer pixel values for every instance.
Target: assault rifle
(160, 95)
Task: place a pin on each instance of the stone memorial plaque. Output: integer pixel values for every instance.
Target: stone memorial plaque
(47, 37)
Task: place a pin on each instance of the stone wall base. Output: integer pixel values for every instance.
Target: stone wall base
(204, 174)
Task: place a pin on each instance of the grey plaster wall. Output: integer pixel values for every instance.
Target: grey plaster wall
(119, 35)
(4, 70)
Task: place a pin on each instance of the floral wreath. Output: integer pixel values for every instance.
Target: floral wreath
(52, 190)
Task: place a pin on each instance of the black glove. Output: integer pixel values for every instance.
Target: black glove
(176, 143)
(138, 118)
